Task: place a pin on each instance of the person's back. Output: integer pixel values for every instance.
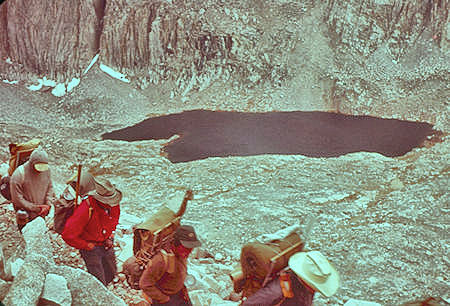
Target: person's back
(309, 272)
(31, 186)
(272, 294)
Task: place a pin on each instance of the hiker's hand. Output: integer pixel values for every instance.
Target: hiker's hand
(44, 209)
(90, 246)
(164, 301)
(109, 243)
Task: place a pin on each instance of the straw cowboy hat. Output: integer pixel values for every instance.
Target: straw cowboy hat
(313, 268)
(105, 192)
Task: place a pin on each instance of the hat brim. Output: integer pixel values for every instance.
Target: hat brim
(112, 200)
(190, 244)
(327, 288)
(41, 167)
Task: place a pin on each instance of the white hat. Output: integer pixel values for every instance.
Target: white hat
(41, 167)
(313, 268)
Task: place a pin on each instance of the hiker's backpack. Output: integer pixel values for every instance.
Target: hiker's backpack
(4, 187)
(20, 153)
(150, 237)
(65, 205)
(260, 262)
(64, 208)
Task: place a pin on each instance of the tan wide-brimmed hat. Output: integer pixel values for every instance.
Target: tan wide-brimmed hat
(313, 268)
(105, 192)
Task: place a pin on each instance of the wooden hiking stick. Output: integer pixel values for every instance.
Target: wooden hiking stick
(77, 186)
(274, 259)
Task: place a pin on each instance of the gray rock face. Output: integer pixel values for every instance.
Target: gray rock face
(86, 289)
(39, 279)
(60, 24)
(56, 291)
(29, 281)
(28, 284)
(37, 239)
(346, 56)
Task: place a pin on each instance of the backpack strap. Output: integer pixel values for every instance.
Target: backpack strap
(91, 208)
(165, 258)
(169, 264)
(21, 171)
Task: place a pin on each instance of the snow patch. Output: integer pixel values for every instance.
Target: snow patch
(10, 82)
(59, 90)
(114, 73)
(91, 64)
(72, 84)
(47, 82)
(36, 87)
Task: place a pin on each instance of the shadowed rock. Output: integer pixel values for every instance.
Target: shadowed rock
(315, 134)
(39, 267)
(81, 285)
(55, 291)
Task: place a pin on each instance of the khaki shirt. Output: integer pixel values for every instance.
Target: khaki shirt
(156, 281)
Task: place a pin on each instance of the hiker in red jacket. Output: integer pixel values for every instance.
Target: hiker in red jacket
(90, 229)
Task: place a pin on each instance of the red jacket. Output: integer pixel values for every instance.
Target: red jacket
(80, 229)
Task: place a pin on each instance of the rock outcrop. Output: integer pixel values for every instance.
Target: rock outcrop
(49, 38)
(379, 57)
(33, 281)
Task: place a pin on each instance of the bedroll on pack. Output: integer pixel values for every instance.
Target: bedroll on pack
(151, 236)
(64, 208)
(66, 204)
(260, 261)
(19, 154)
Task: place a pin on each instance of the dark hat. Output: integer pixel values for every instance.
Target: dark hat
(187, 237)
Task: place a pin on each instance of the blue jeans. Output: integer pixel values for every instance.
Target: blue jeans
(101, 263)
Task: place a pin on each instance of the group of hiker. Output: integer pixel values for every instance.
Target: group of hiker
(90, 229)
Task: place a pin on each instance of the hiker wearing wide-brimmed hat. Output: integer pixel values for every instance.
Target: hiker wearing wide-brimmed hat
(90, 228)
(307, 273)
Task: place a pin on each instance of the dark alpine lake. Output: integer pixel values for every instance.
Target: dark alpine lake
(316, 134)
